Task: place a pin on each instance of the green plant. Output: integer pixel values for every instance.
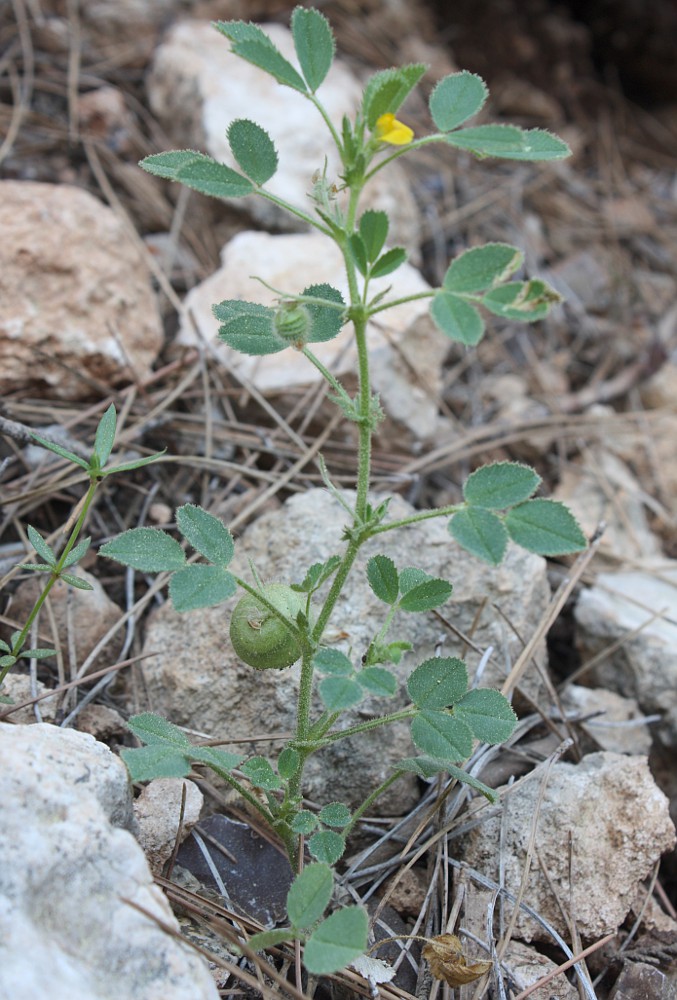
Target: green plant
(277, 624)
(56, 566)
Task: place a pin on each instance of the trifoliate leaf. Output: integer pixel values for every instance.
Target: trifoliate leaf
(253, 149)
(248, 327)
(304, 822)
(440, 735)
(157, 761)
(200, 172)
(309, 895)
(481, 533)
(326, 321)
(335, 814)
(438, 682)
(252, 44)
(337, 942)
(546, 527)
(200, 586)
(261, 774)
(373, 227)
(509, 143)
(387, 90)
(425, 596)
(314, 44)
(332, 661)
(456, 98)
(147, 549)
(524, 301)
(327, 846)
(488, 714)
(388, 262)
(207, 534)
(339, 693)
(500, 485)
(288, 762)
(377, 680)
(383, 578)
(456, 318)
(482, 267)
(153, 729)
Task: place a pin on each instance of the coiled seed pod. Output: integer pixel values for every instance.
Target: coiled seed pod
(259, 638)
(292, 322)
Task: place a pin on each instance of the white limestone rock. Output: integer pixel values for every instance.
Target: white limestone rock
(76, 301)
(71, 871)
(157, 811)
(617, 723)
(603, 821)
(197, 87)
(644, 665)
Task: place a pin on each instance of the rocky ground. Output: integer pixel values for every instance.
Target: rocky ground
(107, 276)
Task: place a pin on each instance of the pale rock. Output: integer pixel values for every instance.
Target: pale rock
(195, 679)
(643, 666)
(601, 488)
(408, 891)
(157, 811)
(619, 728)
(102, 722)
(71, 876)
(197, 87)
(103, 115)
(527, 966)
(604, 821)
(406, 352)
(641, 981)
(19, 688)
(83, 617)
(76, 302)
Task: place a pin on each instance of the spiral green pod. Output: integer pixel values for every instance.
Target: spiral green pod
(258, 636)
(292, 322)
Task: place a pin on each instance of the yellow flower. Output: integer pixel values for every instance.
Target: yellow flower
(389, 129)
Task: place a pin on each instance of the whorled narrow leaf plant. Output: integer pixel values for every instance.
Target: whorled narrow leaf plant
(276, 624)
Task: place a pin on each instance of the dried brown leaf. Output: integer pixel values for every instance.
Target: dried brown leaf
(447, 961)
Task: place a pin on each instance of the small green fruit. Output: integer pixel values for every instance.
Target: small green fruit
(258, 636)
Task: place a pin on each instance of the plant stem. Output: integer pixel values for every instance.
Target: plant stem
(331, 379)
(85, 504)
(364, 727)
(424, 515)
(328, 122)
(299, 213)
(391, 303)
(369, 801)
